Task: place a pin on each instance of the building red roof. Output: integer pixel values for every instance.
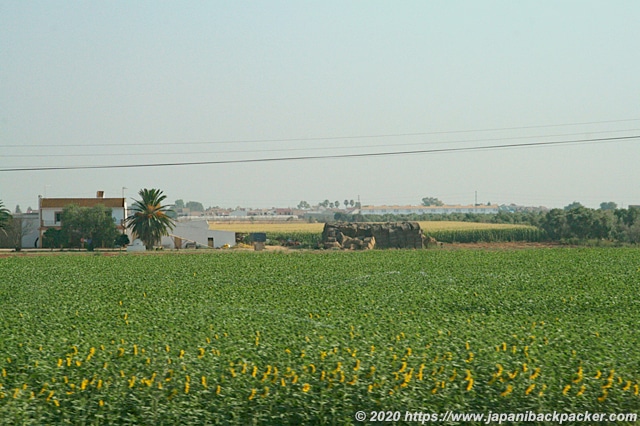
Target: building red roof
(82, 202)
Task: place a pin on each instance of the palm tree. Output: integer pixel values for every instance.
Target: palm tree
(149, 220)
(5, 217)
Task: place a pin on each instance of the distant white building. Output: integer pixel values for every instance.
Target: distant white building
(382, 210)
(197, 234)
(239, 213)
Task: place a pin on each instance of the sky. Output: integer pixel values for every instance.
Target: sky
(426, 86)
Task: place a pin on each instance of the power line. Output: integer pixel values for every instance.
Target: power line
(148, 154)
(320, 157)
(444, 132)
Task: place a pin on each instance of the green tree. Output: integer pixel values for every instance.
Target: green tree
(431, 201)
(572, 206)
(609, 205)
(195, 206)
(94, 225)
(303, 205)
(5, 217)
(555, 224)
(53, 238)
(580, 221)
(179, 204)
(122, 240)
(150, 219)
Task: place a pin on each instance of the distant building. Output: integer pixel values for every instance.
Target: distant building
(382, 210)
(239, 213)
(22, 232)
(196, 234)
(50, 211)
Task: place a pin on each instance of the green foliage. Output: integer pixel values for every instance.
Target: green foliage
(299, 239)
(574, 205)
(122, 240)
(307, 338)
(529, 234)
(195, 206)
(53, 238)
(574, 223)
(609, 205)
(93, 225)
(431, 201)
(150, 220)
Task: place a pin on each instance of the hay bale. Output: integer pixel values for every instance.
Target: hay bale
(380, 235)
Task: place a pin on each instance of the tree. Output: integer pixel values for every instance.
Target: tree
(555, 224)
(337, 204)
(608, 205)
(93, 225)
(150, 220)
(122, 240)
(352, 203)
(580, 221)
(628, 216)
(431, 201)
(573, 205)
(5, 216)
(303, 205)
(195, 206)
(53, 238)
(18, 211)
(179, 204)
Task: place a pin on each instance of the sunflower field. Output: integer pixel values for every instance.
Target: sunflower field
(312, 338)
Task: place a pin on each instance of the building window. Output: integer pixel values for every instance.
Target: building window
(58, 217)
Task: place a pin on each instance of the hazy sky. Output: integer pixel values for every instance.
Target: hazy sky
(133, 83)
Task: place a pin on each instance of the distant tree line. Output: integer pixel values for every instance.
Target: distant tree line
(580, 223)
(573, 223)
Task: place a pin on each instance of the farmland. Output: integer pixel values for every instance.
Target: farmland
(316, 228)
(309, 234)
(308, 337)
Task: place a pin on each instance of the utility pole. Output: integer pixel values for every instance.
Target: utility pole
(476, 198)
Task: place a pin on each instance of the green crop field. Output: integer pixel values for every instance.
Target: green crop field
(312, 338)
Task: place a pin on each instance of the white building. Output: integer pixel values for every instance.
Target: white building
(197, 234)
(50, 210)
(382, 210)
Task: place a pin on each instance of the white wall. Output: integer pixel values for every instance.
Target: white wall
(198, 231)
